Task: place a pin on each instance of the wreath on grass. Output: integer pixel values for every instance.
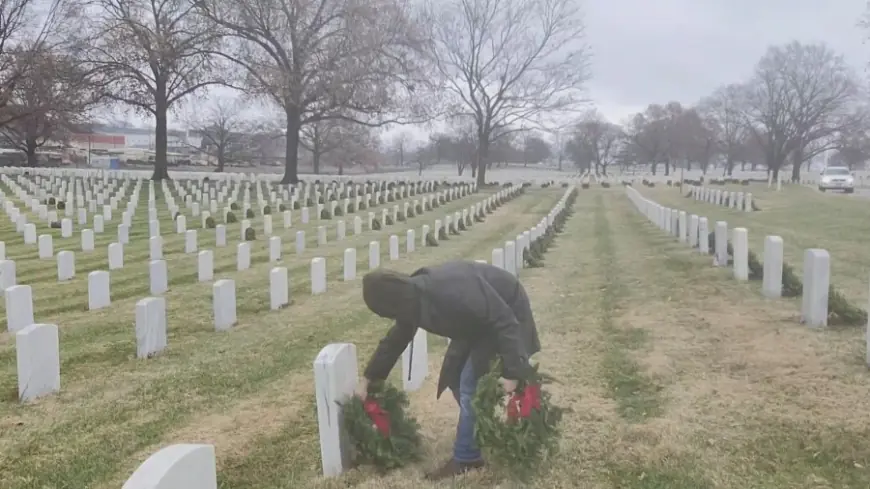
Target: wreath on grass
(381, 433)
(519, 432)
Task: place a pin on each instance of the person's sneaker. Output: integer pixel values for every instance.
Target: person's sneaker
(454, 468)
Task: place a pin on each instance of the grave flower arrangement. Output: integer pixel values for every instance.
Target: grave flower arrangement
(519, 431)
(381, 432)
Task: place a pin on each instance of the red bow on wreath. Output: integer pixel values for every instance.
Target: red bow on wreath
(379, 417)
(520, 405)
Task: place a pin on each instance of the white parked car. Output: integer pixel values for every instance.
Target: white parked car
(837, 178)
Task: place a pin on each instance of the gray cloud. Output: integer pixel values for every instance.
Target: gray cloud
(647, 51)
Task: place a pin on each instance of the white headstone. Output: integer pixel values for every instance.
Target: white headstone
(220, 235)
(349, 264)
(98, 290)
(7, 274)
(66, 228)
(817, 280)
(498, 258)
(410, 241)
(190, 242)
(279, 288)
(38, 361)
(116, 256)
(180, 224)
(205, 265)
(19, 307)
(394, 247)
(243, 256)
(510, 256)
(66, 265)
(300, 242)
(721, 242)
(740, 238)
(703, 236)
(771, 285)
(318, 275)
(177, 467)
(415, 362)
(150, 326)
(335, 378)
(87, 240)
(274, 248)
(158, 274)
(374, 255)
(46, 247)
(224, 304)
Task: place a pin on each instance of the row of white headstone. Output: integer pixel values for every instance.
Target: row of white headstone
(193, 466)
(98, 281)
(725, 198)
(37, 345)
(694, 231)
(66, 259)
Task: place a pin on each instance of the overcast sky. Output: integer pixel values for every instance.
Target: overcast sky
(654, 51)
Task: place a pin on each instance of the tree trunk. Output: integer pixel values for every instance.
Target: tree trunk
(315, 159)
(291, 150)
(667, 168)
(340, 167)
(30, 152)
(482, 154)
(161, 143)
(460, 167)
(221, 160)
(797, 160)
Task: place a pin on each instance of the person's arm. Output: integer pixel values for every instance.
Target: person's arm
(388, 352)
(499, 317)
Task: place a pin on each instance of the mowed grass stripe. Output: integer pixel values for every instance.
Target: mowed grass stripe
(206, 377)
(637, 395)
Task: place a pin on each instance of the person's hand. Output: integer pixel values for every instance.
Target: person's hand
(362, 388)
(508, 385)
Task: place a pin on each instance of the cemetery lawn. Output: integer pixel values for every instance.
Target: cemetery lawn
(238, 389)
(677, 376)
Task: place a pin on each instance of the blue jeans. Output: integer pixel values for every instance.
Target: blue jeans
(465, 449)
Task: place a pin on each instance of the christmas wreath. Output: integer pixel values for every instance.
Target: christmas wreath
(381, 433)
(520, 432)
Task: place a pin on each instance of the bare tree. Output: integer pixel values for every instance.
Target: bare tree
(400, 146)
(800, 95)
(151, 54)
(28, 29)
(536, 150)
(322, 59)
(691, 139)
(593, 142)
(647, 136)
(722, 113)
(506, 62)
(223, 130)
(54, 95)
(328, 136)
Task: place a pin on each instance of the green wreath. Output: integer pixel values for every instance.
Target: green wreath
(517, 434)
(381, 433)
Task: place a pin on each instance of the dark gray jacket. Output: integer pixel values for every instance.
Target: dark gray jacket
(483, 309)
